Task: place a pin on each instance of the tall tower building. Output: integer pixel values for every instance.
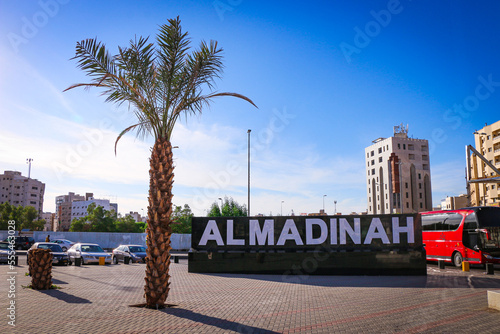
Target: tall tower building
(487, 142)
(21, 190)
(398, 174)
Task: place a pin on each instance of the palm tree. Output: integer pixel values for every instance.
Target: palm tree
(159, 83)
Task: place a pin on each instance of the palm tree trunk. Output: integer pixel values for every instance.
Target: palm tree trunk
(40, 268)
(158, 226)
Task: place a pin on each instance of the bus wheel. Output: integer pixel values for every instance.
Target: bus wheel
(457, 259)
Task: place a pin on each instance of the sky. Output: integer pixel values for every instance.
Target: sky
(328, 77)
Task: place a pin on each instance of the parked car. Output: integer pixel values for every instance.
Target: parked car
(89, 253)
(58, 255)
(136, 253)
(21, 242)
(64, 243)
(4, 252)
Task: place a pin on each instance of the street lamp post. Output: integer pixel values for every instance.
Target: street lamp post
(324, 203)
(282, 207)
(220, 199)
(249, 171)
(335, 210)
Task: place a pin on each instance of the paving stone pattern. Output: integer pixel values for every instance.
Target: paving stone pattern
(97, 299)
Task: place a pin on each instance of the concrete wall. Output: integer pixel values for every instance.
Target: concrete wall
(108, 240)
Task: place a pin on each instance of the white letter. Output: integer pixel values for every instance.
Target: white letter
(211, 233)
(396, 230)
(230, 235)
(376, 230)
(291, 233)
(309, 231)
(266, 233)
(333, 231)
(354, 234)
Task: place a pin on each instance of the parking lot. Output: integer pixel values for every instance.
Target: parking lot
(98, 299)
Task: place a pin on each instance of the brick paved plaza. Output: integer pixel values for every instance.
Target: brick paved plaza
(97, 299)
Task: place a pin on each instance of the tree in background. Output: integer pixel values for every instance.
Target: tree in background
(214, 210)
(230, 208)
(100, 220)
(181, 219)
(25, 217)
(128, 224)
(160, 83)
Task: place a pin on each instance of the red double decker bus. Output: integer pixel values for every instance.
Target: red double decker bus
(468, 234)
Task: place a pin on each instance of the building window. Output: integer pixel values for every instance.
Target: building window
(406, 185)
(420, 186)
(425, 157)
(367, 155)
(406, 194)
(411, 156)
(372, 153)
(373, 162)
(380, 150)
(411, 147)
(34, 188)
(404, 146)
(420, 195)
(380, 159)
(373, 171)
(424, 148)
(407, 205)
(419, 176)
(421, 206)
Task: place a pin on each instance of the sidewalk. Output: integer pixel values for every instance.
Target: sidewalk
(96, 299)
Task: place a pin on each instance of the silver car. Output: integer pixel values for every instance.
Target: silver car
(89, 253)
(136, 253)
(64, 243)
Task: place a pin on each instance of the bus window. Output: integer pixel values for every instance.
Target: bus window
(441, 222)
(471, 237)
(488, 217)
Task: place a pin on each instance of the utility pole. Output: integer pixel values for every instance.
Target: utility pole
(249, 171)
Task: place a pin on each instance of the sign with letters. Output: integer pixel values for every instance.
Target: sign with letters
(356, 241)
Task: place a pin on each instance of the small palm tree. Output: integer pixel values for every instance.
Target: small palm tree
(159, 83)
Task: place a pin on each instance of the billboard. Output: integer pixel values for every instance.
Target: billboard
(364, 244)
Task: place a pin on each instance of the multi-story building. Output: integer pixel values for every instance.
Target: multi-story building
(64, 204)
(71, 206)
(21, 190)
(398, 174)
(50, 219)
(137, 217)
(454, 202)
(79, 208)
(487, 142)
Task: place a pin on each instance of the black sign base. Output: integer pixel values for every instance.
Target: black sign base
(395, 262)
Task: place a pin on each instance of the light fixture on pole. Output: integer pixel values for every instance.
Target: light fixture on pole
(220, 199)
(324, 203)
(249, 171)
(282, 207)
(335, 210)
